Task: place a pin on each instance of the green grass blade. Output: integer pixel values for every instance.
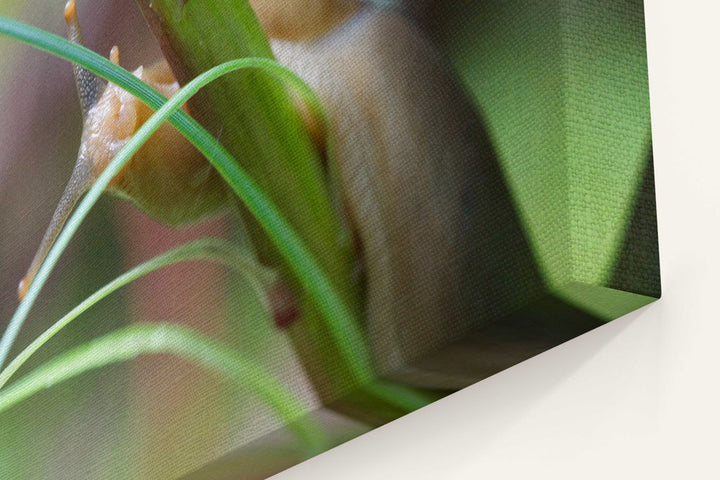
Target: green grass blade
(209, 249)
(143, 339)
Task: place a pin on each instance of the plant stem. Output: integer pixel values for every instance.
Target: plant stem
(261, 128)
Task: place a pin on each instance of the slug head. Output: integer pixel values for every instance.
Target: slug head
(168, 178)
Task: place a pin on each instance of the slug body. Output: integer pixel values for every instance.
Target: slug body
(409, 152)
(411, 155)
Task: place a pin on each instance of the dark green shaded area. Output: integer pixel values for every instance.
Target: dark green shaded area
(509, 55)
(538, 326)
(637, 268)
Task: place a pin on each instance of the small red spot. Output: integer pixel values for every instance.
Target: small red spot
(285, 310)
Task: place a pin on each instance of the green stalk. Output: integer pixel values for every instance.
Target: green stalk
(260, 127)
(143, 339)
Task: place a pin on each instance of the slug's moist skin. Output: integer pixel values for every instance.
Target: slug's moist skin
(410, 153)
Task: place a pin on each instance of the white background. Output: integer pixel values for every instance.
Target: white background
(638, 398)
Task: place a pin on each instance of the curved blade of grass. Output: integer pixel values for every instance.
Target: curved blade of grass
(340, 320)
(209, 249)
(142, 339)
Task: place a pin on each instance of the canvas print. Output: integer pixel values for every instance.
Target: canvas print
(237, 233)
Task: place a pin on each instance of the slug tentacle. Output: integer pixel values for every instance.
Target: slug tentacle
(89, 86)
(87, 168)
(80, 182)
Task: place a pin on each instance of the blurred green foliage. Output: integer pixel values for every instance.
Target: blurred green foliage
(563, 88)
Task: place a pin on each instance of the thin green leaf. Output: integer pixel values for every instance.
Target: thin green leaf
(142, 339)
(209, 249)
